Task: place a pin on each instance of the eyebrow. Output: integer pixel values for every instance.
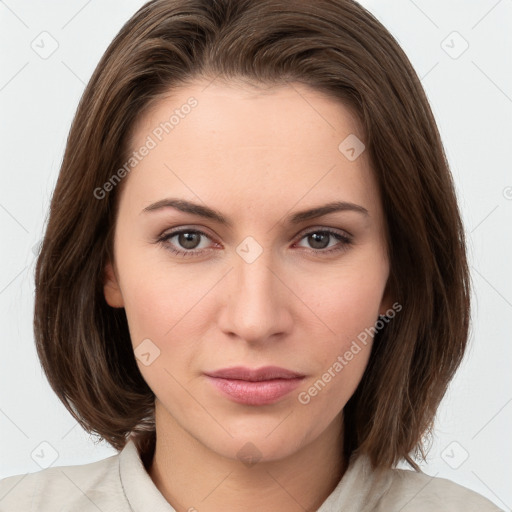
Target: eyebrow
(295, 218)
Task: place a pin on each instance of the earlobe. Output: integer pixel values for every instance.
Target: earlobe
(111, 288)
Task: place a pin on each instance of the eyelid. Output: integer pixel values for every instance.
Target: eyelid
(302, 233)
(313, 229)
(344, 241)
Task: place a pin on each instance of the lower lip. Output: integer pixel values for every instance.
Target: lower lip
(255, 393)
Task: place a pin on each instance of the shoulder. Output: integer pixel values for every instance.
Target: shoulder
(410, 491)
(82, 487)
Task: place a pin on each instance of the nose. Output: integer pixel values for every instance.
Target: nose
(257, 303)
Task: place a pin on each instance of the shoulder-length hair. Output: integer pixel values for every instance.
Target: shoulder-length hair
(336, 47)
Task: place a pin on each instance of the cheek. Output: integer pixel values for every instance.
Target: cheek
(158, 297)
(339, 378)
(348, 306)
(343, 344)
(348, 299)
(160, 320)
(148, 310)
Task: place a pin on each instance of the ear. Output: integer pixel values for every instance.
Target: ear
(111, 288)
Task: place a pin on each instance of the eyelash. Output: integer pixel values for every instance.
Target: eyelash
(345, 242)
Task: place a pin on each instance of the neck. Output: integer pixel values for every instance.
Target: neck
(192, 477)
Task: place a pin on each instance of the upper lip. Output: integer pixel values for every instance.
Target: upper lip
(254, 375)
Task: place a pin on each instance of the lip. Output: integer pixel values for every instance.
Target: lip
(259, 374)
(262, 386)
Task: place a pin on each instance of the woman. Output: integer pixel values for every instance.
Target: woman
(253, 282)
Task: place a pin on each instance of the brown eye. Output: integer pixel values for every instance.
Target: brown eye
(188, 239)
(319, 241)
(186, 244)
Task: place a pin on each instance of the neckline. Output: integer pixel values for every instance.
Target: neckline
(142, 494)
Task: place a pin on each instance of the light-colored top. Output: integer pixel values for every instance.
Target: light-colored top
(120, 483)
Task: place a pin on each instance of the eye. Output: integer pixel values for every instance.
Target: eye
(319, 240)
(190, 241)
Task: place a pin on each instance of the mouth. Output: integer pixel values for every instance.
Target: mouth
(255, 375)
(261, 386)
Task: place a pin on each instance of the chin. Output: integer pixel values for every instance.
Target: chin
(251, 450)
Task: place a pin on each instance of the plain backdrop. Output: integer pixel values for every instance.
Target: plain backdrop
(460, 50)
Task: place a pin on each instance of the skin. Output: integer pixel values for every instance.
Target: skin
(255, 156)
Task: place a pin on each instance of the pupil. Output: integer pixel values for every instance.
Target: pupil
(316, 238)
(187, 240)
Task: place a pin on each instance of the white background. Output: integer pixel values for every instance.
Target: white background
(471, 97)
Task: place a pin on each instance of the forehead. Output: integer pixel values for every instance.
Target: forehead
(246, 113)
(266, 146)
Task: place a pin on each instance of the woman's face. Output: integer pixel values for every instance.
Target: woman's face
(265, 286)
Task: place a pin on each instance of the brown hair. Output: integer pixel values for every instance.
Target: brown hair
(334, 46)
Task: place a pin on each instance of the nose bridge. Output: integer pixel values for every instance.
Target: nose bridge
(256, 306)
(253, 269)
